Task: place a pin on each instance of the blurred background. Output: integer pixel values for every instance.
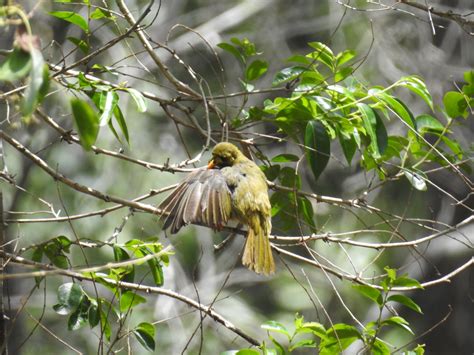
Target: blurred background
(393, 40)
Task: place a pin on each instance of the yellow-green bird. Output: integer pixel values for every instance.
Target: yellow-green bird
(231, 187)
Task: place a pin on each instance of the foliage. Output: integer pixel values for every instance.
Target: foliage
(319, 104)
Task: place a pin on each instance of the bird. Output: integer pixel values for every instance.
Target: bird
(231, 187)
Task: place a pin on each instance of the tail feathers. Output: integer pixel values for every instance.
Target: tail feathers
(258, 253)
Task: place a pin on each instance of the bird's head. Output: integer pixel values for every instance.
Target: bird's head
(224, 154)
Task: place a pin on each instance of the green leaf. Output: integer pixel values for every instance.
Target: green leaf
(121, 122)
(87, 122)
(36, 81)
(277, 327)
(71, 17)
(279, 200)
(121, 254)
(130, 299)
(285, 158)
(305, 207)
(381, 133)
(138, 98)
(370, 121)
(406, 301)
(289, 178)
(427, 123)
(247, 46)
(398, 322)
(332, 344)
(344, 57)
(241, 352)
(380, 348)
(55, 254)
(404, 281)
(416, 85)
(145, 333)
(271, 172)
(322, 54)
(280, 349)
(104, 322)
(80, 316)
(315, 328)
(397, 106)
(391, 273)
(156, 271)
(70, 296)
(287, 74)
(305, 343)
(454, 146)
(37, 254)
(16, 66)
(317, 140)
(80, 43)
(108, 103)
(94, 314)
(232, 50)
(64, 242)
(348, 145)
(98, 13)
(455, 104)
(256, 69)
(419, 350)
(416, 180)
(370, 292)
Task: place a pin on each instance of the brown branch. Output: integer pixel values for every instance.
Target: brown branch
(100, 213)
(68, 136)
(359, 280)
(461, 20)
(327, 237)
(73, 184)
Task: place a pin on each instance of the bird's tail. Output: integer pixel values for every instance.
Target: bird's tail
(258, 253)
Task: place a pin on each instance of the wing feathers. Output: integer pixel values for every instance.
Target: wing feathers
(203, 197)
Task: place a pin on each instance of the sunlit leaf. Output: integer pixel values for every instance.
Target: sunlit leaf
(399, 322)
(344, 57)
(406, 301)
(287, 74)
(370, 292)
(370, 121)
(427, 123)
(69, 297)
(455, 104)
(416, 85)
(232, 50)
(406, 282)
(72, 17)
(285, 158)
(396, 106)
(80, 316)
(138, 98)
(416, 180)
(322, 54)
(274, 326)
(87, 122)
(109, 101)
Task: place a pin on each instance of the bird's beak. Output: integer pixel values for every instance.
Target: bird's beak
(211, 164)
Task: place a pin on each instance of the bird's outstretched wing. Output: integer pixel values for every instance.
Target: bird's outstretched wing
(203, 197)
